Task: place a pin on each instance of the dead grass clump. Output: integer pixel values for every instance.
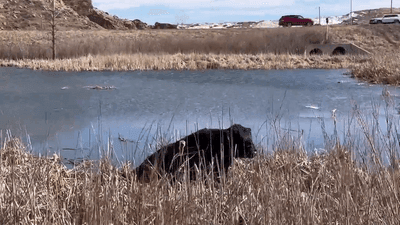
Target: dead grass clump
(382, 69)
(13, 152)
(32, 189)
(286, 187)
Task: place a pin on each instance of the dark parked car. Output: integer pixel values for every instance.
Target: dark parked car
(289, 20)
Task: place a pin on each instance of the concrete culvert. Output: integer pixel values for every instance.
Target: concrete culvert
(316, 51)
(339, 51)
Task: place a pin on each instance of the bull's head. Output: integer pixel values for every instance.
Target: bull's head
(243, 141)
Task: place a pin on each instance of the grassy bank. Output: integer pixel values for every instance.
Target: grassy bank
(73, 44)
(77, 43)
(287, 187)
(374, 69)
(278, 48)
(193, 61)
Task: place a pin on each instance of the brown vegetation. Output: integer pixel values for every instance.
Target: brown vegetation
(287, 187)
(181, 49)
(381, 69)
(191, 61)
(376, 38)
(75, 43)
(72, 44)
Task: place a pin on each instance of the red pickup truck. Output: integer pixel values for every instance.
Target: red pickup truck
(289, 20)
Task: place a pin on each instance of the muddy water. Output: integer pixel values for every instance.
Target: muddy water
(59, 112)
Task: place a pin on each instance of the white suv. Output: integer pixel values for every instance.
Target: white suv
(389, 18)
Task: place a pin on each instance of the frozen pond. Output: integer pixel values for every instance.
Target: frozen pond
(59, 112)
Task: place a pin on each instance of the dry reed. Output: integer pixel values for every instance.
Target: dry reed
(72, 44)
(286, 187)
(382, 69)
(191, 61)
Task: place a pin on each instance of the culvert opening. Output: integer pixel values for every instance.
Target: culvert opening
(316, 51)
(339, 51)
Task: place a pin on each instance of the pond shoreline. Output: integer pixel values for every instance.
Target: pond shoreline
(240, 49)
(373, 69)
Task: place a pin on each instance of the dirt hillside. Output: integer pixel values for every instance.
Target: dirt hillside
(71, 14)
(363, 16)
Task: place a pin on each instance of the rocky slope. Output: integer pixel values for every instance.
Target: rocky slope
(71, 14)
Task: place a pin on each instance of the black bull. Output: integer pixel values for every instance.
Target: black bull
(164, 26)
(203, 148)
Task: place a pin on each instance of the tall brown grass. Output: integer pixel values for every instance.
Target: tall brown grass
(383, 68)
(192, 61)
(77, 43)
(72, 44)
(287, 187)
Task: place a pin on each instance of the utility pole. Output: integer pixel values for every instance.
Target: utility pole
(391, 4)
(53, 26)
(319, 15)
(351, 12)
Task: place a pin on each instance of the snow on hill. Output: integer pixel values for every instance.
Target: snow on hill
(333, 19)
(267, 24)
